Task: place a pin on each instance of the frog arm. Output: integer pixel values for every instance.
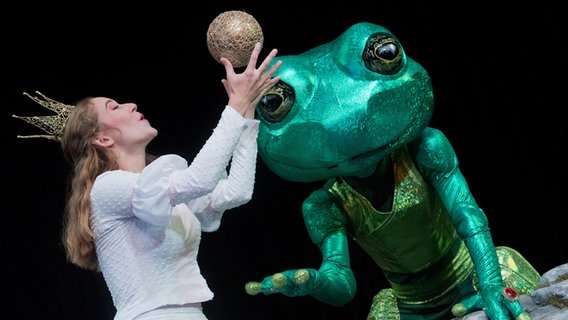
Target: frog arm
(436, 159)
(334, 282)
(326, 227)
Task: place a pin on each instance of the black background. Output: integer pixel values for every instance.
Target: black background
(498, 72)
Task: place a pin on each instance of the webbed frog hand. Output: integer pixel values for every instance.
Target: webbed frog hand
(291, 283)
(335, 286)
(498, 302)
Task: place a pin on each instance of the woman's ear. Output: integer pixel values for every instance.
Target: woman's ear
(102, 140)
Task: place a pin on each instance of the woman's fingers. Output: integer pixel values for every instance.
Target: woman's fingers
(268, 59)
(229, 70)
(254, 56)
(273, 69)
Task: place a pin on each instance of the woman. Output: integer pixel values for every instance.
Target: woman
(139, 221)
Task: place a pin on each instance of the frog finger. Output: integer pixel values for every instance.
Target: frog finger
(253, 288)
(467, 305)
(301, 276)
(269, 285)
(278, 280)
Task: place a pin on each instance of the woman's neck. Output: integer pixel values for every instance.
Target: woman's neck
(131, 161)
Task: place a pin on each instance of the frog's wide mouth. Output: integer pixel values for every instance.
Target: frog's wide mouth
(303, 162)
(380, 152)
(316, 170)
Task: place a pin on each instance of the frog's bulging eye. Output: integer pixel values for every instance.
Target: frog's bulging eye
(277, 102)
(383, 54)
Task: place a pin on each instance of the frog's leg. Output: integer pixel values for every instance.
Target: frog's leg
(516, 271)
(384, 306)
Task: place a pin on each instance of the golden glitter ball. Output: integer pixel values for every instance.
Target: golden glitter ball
(233, 34)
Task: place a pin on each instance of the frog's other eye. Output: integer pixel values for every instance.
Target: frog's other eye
(277, 102)
(383, 54)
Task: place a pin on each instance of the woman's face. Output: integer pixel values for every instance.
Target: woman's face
(121, 124)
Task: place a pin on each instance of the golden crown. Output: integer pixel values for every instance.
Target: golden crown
(52, 125)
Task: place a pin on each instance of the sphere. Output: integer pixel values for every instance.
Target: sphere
(233, 34)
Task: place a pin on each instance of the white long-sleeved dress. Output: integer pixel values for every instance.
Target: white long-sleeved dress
(148, 225)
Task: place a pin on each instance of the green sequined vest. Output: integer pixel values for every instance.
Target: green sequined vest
(416, 233)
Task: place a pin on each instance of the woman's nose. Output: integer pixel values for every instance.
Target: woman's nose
(132, 107)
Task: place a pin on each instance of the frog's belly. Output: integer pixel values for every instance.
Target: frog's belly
(415, 234)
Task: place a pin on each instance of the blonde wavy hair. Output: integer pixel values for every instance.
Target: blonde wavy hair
(88, 161)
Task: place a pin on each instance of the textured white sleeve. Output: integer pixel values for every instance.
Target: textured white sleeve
(151, 200)
(210, 164)
(237, 188)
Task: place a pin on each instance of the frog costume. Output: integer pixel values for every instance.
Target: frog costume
(354, 113)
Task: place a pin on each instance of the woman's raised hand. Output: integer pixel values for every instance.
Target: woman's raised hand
(245, 89)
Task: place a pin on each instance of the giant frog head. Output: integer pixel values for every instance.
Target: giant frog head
(343, 106)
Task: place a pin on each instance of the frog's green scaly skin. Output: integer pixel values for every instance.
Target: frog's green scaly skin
(354, 112)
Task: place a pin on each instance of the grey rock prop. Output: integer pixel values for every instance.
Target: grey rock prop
(548, 302)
